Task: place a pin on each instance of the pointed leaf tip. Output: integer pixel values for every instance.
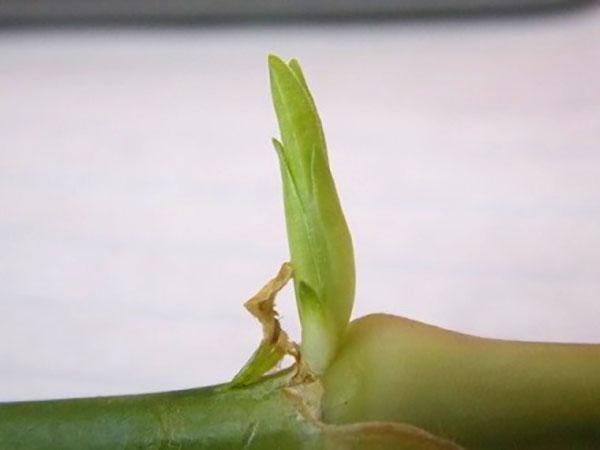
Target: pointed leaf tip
(319, 240)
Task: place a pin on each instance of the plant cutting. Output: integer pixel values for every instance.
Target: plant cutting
(377, 382)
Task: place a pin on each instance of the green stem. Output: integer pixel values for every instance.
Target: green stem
(260, 416)
(274, 413)
(390, 376)
(481, 393)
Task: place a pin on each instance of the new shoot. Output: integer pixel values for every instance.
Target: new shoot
(379, 382)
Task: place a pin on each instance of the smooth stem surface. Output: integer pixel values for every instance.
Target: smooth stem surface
(392, 379)
(258, 417)
(481, 393)
(269, 415)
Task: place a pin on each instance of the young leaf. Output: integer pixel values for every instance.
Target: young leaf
(318, 236)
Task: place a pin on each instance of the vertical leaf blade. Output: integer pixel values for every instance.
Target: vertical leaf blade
(318, 236)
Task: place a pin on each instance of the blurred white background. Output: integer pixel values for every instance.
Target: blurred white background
(140, 200)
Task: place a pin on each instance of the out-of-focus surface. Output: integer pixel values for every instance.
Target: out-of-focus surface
(19, 12)
(140, 199)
